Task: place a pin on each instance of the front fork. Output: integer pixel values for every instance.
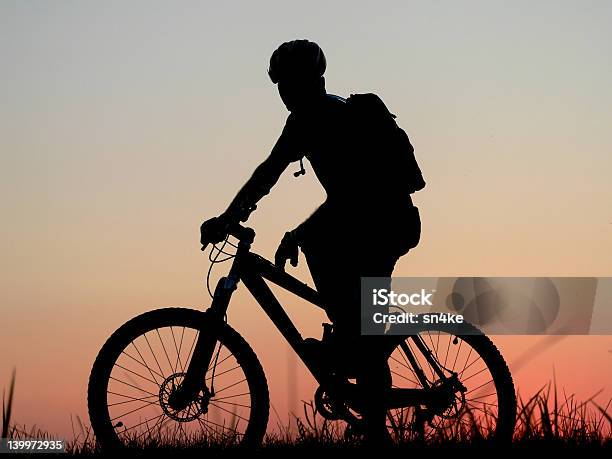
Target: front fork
(213, 320)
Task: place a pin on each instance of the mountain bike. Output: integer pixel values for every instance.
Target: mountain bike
(186, 377)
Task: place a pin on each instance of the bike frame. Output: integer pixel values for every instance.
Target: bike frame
(253, 270)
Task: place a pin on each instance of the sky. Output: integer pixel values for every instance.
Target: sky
(123, 125)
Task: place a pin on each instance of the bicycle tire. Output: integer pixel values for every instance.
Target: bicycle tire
(498, 368)
(106, 434)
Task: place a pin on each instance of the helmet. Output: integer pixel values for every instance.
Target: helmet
(300, 58)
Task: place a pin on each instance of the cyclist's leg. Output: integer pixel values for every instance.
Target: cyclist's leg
(337, 273)
(373, 372)
(374, 381)
(330, 274)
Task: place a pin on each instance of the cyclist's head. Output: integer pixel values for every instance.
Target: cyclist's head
(297, 67)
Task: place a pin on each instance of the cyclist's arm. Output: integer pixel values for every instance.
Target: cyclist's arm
(266, 175)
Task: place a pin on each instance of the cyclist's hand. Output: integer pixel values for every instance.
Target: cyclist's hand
(287, 250)
(213, 230)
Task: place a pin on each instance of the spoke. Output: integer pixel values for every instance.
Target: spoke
(134, 373)
(223, 427)
(208, 430)
(483, 396)
(230, 412)
(401, 363)
(157, 426)
(164, 348)
(447, 350)
(468, 367)
(131, 385)
(195, 338)
(129, 396)
(466, 360)
(144, 362)
(219, 363)
(154, 356)
(405, 377)
(406, 364)
(223, 372)
(220, 400)
(476, 388)
(463, 380)
(146, 366)
(178, 354)
(159, 423)
(134, 410)
(131, 401)
(457, 354)
(230, 396)
(141, 423)
(231, 385)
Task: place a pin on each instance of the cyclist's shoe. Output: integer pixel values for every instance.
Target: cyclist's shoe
(321, 352)
(332, 353)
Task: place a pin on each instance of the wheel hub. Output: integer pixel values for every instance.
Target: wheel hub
(454, 393)
(193, 410)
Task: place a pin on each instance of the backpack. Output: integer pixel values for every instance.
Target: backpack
(384, 150)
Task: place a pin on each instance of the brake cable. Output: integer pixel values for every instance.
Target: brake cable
(215, 259)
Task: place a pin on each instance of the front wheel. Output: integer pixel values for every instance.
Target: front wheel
(143, 363)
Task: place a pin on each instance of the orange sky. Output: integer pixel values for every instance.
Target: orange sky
(123, 126)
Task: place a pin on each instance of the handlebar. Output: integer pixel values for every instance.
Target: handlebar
(242, 233)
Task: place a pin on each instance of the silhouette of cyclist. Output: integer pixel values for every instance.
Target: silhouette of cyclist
(364, 226)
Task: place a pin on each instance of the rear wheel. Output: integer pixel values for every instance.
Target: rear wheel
(485, 407)
(143, 363)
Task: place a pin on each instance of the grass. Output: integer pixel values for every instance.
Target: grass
(7, 407)
(548, 420)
